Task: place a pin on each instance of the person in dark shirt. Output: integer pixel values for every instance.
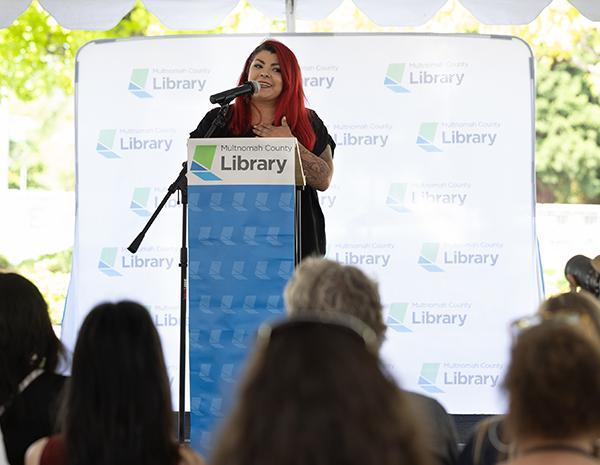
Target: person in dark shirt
(117, 405)
(552, 384)
(316, 393)
(278, 110)
(29, 355)
(320, 286)
(490, 442)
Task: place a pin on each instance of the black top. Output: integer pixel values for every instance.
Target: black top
(439, 430)
(31, 416)
(311, 216)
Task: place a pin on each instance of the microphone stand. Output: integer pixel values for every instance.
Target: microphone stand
(180, 184)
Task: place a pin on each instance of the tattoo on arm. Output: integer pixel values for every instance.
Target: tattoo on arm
(318, 170)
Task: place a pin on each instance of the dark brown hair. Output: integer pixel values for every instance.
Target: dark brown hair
(553, 383)
(27, 340)
(314, 394)
(117, 408)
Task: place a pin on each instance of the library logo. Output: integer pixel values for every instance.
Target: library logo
(457, 134)
(202, 162)
(108, 258)
(396, 317)
(393, 78)
(115, 143)
(106, 140)
(428, 378)
(406, 197)
(145, 200)
(411, 317)
(139, 202)
(138, 81)
(146, 83)
(426, 137)
(396, 197)
(428, 257)
(114, 264)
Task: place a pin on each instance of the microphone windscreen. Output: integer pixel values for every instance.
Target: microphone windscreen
(255, 87)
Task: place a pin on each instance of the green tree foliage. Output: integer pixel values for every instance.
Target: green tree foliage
(50, 273)
(568, 134)
(27, 159)
(5, 265)
(37, 59)
(37, 55)
(568, 118)
(567, 50)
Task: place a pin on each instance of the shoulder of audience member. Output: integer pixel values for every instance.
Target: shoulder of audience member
(487, 441)
(33, 455)
(431, 405)
(188, 457)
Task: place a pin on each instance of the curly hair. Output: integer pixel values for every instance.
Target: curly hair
(553, 383)
(321, 285)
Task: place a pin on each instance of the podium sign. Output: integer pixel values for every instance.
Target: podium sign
(241, 254)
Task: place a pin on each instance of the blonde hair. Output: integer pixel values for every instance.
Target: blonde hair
(320, 285)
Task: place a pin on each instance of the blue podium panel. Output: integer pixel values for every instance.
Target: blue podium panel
(241, 254)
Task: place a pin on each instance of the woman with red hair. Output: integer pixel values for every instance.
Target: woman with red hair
(278, 110)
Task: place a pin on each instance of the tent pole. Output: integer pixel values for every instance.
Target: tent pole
(290, 15)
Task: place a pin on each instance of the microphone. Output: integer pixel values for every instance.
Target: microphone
(222, 98)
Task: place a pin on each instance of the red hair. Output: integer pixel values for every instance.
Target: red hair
(290, 102)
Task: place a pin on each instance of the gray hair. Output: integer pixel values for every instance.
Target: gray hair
(319, 285)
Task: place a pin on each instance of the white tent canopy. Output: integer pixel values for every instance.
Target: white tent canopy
(207, 14)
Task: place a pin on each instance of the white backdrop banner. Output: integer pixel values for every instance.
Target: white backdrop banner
(433, 191)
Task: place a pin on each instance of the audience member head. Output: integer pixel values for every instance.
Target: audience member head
(27, 340)
(314, 392)
(581, 304)
(117, 407)
(553, 383)
(321, 286)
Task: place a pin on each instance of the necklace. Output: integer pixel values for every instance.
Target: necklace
(558, 448)
(30, 378)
